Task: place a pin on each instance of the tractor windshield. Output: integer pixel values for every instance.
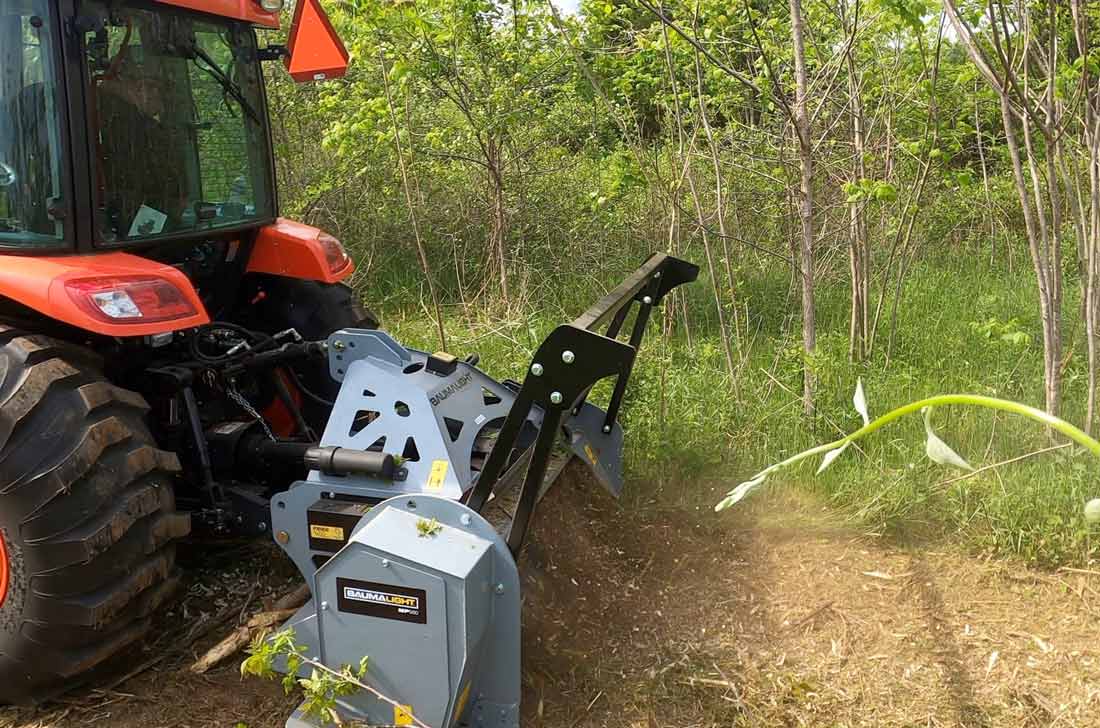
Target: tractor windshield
(177, 105)
(31, 207)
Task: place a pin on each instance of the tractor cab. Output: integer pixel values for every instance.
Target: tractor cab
(30, 129)
(124, 124)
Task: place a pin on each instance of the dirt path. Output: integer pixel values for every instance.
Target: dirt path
(678, 618)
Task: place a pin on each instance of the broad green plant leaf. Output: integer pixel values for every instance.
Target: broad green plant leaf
(937, 450)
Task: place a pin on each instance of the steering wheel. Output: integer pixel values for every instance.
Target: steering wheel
(8, 176)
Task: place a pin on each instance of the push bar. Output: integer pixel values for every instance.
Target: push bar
(565, 367)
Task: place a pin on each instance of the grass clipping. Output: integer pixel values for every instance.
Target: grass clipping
(935, 448)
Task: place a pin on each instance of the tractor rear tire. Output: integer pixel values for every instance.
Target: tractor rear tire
(87, 516)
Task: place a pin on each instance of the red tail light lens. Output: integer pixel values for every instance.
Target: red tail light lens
(335, 254)
(130, 299)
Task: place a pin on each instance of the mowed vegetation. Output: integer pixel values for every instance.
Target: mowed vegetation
(495, 167)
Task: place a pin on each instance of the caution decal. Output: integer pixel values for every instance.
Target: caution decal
(402, 715)
(329, 533)
(438, 475)
(387, 601)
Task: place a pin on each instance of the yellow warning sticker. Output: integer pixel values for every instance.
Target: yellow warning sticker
(329, 533)
(463, 698)
(438, 475)
(402, 715)
(591, 455)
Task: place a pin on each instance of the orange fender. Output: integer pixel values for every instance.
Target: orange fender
(294, 250)
(62, 288)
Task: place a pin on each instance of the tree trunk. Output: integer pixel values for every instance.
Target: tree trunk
(857, 226)
(498, 222)
(1039, 259)
(806, 206)
(1043, 235)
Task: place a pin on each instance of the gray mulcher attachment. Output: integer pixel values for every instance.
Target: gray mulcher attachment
(435, 604)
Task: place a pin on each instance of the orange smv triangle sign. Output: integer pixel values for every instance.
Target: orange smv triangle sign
(316, 51)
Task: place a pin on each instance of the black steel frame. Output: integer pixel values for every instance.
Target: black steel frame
(564, 369)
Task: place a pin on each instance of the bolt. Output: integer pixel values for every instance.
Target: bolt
(647, 300)
(555, 397)
(500, 589)
(536, 369)
(262, 526)
(339, 345)
(568, 357)
(282, 537)
(657, 274)
(465, 519)
(385, 563)
(324, 606)
(607, 429)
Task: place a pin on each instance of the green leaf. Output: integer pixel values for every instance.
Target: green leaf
(885, 192)
(426, 528)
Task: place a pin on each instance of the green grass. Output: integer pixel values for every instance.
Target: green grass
(689, 426)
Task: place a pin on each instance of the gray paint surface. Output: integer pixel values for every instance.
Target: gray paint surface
(469, 644)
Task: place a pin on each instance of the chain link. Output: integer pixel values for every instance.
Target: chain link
(247, 407)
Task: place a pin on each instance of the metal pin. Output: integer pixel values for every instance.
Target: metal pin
(647, 300)
(555, 397)
(339, 345)
(385, 563)
(568, 357)
(607, 429)
(500, 589)
(536, 369)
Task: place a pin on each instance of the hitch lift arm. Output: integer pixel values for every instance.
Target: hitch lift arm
(572, 359)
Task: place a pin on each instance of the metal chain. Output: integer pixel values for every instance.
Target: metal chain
(247, 407)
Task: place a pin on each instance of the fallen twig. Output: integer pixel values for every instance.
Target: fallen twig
(239, 639)
(293, 600)
(812, 615)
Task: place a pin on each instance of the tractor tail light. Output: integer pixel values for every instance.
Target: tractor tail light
(130, 299)
(335, 254)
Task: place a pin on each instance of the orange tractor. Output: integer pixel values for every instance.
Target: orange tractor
(175, 358)
(139, 238)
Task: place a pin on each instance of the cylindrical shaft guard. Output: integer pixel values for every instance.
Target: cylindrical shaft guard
(342, 460)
